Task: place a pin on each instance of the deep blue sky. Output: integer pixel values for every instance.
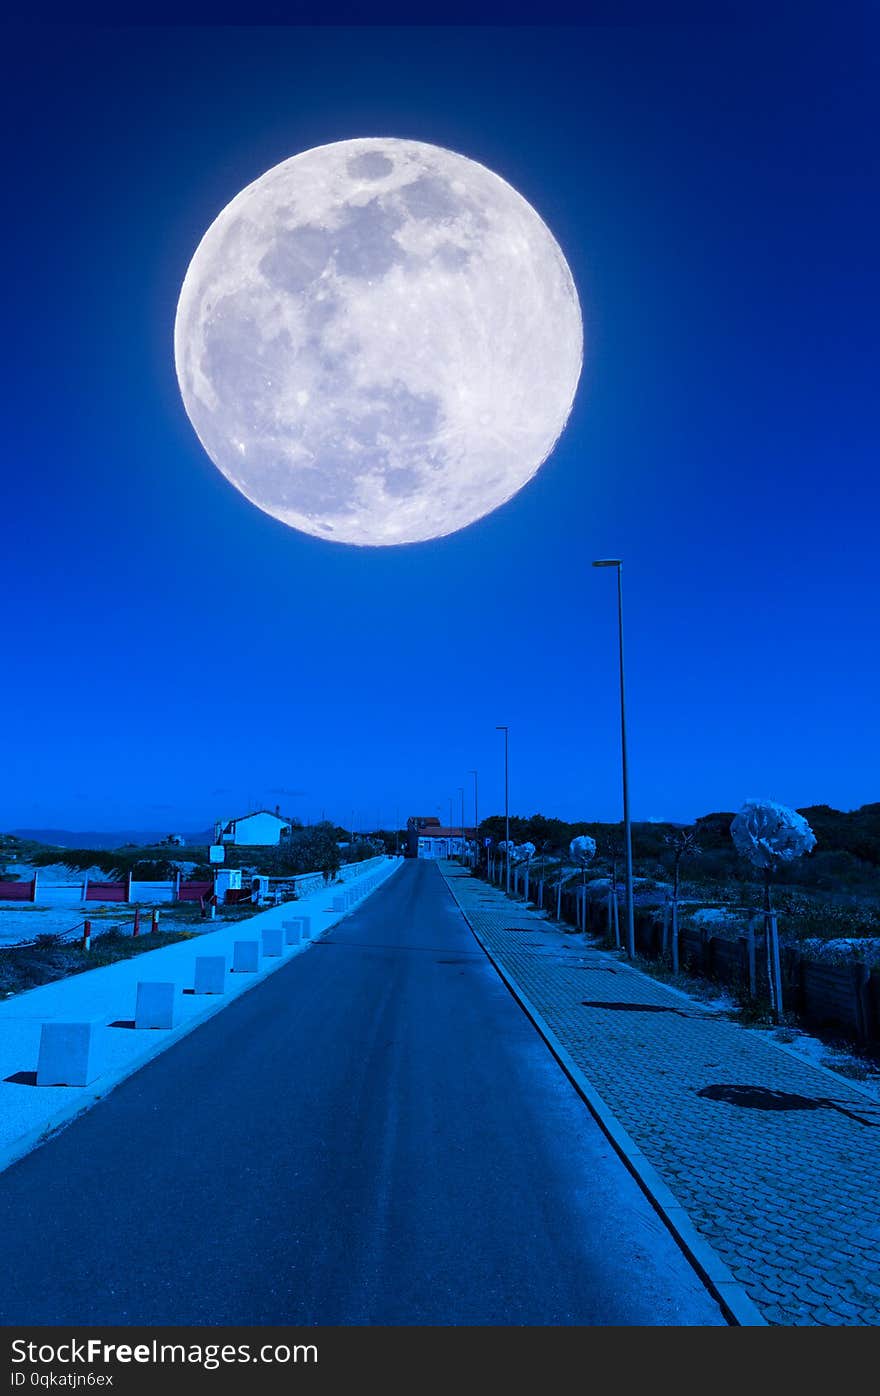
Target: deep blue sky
(716, 192)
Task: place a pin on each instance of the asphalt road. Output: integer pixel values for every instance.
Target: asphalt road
(374, 1135)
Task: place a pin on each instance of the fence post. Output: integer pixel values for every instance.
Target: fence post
(34, 887)
(675, 961)
(87, 935)
(85, 891)
(137, 921)
(862, 982)
(774, 973)
(154, 922)
(753, 973)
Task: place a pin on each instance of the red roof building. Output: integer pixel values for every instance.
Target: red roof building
(430, 839)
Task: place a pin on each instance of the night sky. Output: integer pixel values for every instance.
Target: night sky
(172, 654)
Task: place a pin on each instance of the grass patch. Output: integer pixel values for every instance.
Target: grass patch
(28, 966)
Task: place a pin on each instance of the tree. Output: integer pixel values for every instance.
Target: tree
(683, 844)
(612, 851)
(582, 851)
(525, 854)
(771, 835)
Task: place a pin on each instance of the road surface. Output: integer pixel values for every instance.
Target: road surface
(374, 1135)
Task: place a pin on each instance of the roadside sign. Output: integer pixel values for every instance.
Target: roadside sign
(217, 853)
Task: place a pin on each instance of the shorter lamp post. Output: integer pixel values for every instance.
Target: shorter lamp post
(506, 731)
(476, 823)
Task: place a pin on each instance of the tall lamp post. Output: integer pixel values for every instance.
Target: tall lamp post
(476, 823)
(506, 731)
(627, 831)
(461, 828)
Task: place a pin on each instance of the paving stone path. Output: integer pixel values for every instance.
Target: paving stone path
(776, 1161)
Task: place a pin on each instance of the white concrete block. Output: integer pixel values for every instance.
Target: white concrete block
(293, 930)
(306, 922)
(339, 902)
(273, 940)
(66, 1054)
(246, 956)
(210, 974)
(155, 1004)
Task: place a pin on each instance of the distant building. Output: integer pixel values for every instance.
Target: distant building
(427, 838)
(260, 829)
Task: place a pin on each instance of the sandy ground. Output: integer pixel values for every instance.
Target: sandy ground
(24, 922)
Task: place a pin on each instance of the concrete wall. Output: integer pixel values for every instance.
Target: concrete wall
(152, 892)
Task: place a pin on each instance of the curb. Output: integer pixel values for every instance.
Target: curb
(65, 1115)
(735, 1303)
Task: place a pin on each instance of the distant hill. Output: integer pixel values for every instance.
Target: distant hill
(87, 838)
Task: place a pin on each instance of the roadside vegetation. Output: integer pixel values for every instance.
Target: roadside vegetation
(48, 956)
(832, 894)
(28, 966)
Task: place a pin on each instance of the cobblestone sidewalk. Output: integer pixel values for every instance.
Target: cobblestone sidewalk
(775, 1161)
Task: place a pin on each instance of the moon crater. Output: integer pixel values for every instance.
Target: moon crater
(378, 341)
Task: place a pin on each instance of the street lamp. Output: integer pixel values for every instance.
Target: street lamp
(476, 823)
(627, 832)
(506, 731)
(461, 827)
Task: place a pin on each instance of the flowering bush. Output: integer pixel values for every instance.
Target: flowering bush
(582, 850)
(769, 834)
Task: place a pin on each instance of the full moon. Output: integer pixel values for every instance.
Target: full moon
(378, 341)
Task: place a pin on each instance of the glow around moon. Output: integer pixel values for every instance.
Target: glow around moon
(378, 341)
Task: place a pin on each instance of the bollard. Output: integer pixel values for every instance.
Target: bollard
(210, 974)
(66, 1054)
(154, 922)
(245, 956)
(155, 1005)
(292, 930)
(87, 935)
(273, 940)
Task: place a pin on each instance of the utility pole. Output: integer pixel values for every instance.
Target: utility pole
(627, 830)
(476, 823)
(506, 731)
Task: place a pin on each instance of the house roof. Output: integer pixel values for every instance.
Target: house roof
(440, 833)
(282, 819)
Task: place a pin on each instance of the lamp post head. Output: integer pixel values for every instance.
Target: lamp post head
(608, 562)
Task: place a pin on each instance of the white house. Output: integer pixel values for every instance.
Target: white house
(433, 841)
(259, 829)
